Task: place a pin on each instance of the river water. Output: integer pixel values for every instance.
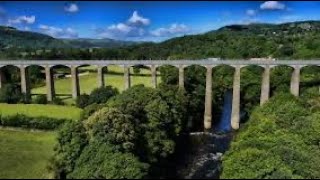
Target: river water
(205, 149)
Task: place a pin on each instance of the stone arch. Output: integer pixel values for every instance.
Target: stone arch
(310, 80)
(280, 78)
(37, 78)
(10, 74)
(61, 74)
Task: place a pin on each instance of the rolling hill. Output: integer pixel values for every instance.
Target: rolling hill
(12, 37)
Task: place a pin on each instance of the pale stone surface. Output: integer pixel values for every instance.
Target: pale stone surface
(154, 76)
(265, 86)
(295, 81)
(127, 79)
(75, 82)
(181, 76)
(235, 114)
(208, 99)
(49, 83)
(100, 76)
(25, 88)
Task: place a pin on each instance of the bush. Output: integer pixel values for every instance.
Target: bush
(89, 110)
(102, 95)
(57, 101)
(83, 100)
(24, 121)
(99, 160)
(40, 99)
(10, 93)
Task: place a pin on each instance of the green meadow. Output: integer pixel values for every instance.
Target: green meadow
(36, 110)
(25, 154)
(88, 81)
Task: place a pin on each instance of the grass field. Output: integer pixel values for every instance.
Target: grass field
(25, 154)
(88, 82)
(36, 110)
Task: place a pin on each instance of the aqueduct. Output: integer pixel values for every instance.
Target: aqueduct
(181, 64)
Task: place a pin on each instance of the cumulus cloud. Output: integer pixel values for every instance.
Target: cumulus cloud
(72, 8)
(58, 32)
(23, 20)
(133, 27)
(251, 12)
(138, 20)
(173, 30)
(272, 5)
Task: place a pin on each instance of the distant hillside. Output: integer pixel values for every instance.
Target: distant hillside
(97, 43)
(11, 37)
(288, 40)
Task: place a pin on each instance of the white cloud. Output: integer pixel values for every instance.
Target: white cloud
(132, 28)
(72, 8)
(23, 20)
(58, 32)
(137, 20)
(272, 5)
(173, 30)
(251, 12)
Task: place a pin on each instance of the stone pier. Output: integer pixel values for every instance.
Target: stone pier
(208, 99)
(127, 79)
(154, 75)
(1, 78)
(295, 81)
(181, 76)
(25, 84)
(75, 82)
(49, 83)
(265, 86)
(235, 114)
(100, 76)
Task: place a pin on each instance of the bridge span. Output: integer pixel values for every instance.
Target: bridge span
(153, 64)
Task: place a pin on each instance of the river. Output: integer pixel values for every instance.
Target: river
(205, 149)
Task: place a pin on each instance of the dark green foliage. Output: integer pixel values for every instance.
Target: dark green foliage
(101, 161)
(112, 126)
(40, 99)
(57, 101)
(10, 93)
(136, 129)
(24, 121)
(281, 140)
(102, 95)
(90, 109)
(72, 140)
(159, 117)
(83, 100)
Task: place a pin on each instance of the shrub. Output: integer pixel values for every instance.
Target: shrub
(100, 160)
(83, 100)
(57, 101)
(40, 99)
(102, 94)
(24, 121)
(10, 93)
(89, 110)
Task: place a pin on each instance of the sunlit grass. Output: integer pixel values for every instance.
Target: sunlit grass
(25, 154)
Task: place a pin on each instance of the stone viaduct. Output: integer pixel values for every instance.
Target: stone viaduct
(181, 64)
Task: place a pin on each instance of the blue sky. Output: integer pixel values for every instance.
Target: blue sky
(146, 21)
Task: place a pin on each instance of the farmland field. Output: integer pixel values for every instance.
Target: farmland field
(36, 110)
(25, 154)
